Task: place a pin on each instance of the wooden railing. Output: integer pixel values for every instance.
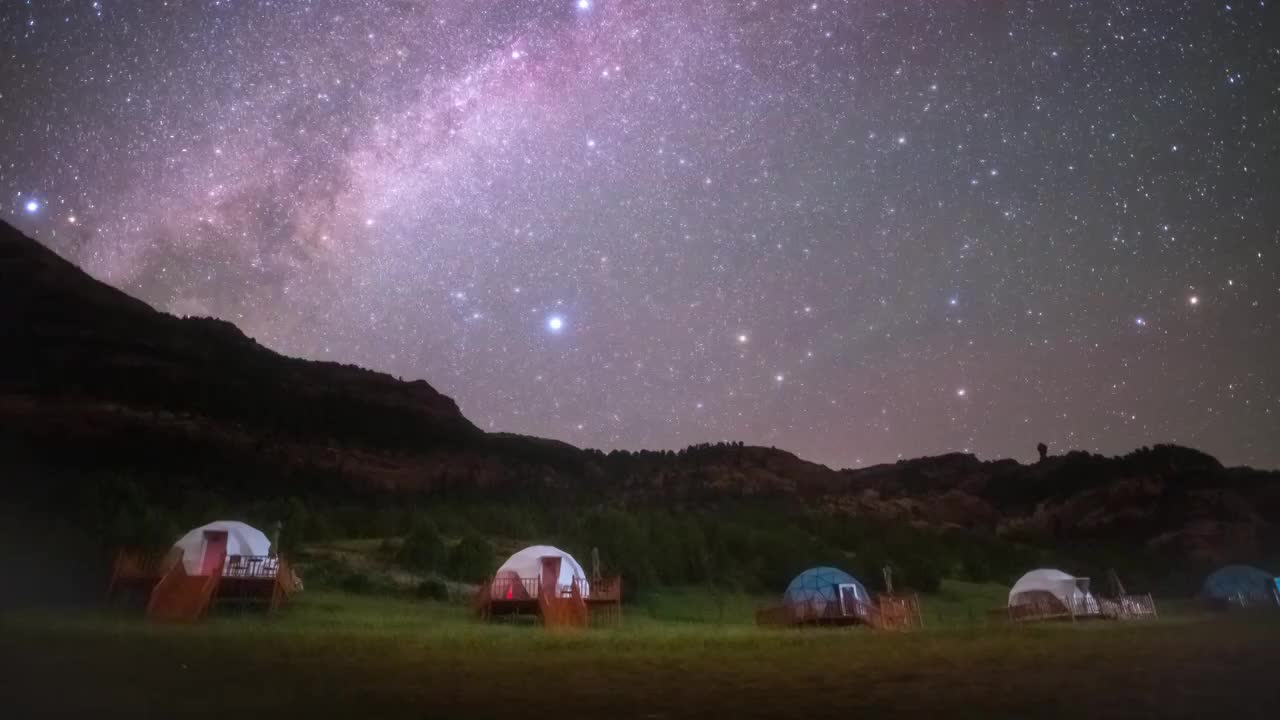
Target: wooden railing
(898, 612)
(889, 612)
(605, 590)
(1045, 606)
(576, 603)
(1128, 607)
(251, 566)
(512, 588)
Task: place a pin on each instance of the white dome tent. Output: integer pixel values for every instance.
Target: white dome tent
(1047, 593)
(208, 546)
(524, 574)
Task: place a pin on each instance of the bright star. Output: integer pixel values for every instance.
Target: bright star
(32, 206)
(961, 392)
(555, 323)
(1194, 299)
(742, 338)
(584, 4)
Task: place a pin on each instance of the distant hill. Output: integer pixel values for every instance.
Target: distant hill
(93, 381)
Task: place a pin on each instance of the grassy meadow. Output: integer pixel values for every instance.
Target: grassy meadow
(681, 653)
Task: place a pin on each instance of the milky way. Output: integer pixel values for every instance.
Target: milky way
(855, 230)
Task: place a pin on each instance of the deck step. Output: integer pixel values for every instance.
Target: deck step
(182, 598)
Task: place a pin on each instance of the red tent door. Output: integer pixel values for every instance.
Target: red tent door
(550, 576)
(215, 551)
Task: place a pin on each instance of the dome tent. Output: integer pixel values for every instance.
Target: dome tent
(1242, 585)
(1048, 592)
(827, 591)
(209, 545)
(521, 576)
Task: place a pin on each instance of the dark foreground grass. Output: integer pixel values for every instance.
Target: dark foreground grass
(340, 656)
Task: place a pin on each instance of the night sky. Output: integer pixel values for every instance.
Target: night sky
(855, 230)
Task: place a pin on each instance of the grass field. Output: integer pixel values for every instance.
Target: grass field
(677, 655)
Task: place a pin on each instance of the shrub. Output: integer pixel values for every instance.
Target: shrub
(356, 582)
(472, 560)
(433, 589)
(389, 548)
(423, 549)
(294, 526)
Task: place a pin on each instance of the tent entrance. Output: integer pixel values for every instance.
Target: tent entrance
(850, 604)
(550, 575)
(215, 551)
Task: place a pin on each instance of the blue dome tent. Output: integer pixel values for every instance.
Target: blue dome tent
(822, 585)
(831, 596)
(1242, 585)
(826, 594)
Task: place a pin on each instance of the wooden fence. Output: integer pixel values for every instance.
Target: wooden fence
(888, 612)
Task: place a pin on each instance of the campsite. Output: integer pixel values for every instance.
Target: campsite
(639, 359)
(384, 647)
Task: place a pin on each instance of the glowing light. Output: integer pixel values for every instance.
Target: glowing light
(584, 4)
(961, 392)
(555, 323)
(1194, 300)
(32, 206)
(742, 339)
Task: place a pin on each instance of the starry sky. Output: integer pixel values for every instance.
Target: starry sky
(857, 230)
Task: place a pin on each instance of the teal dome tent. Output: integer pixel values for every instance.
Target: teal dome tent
(1243, 585)
(827, 592)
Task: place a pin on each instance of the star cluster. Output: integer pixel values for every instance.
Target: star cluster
(856, 230)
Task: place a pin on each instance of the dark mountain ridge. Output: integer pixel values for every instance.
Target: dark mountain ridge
(92, 380)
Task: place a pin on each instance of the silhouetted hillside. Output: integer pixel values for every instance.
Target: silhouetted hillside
(73, 342)
(94, 382)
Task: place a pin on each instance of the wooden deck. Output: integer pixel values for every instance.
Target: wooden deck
(171, 594)
(575, 605)
(887, 612)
